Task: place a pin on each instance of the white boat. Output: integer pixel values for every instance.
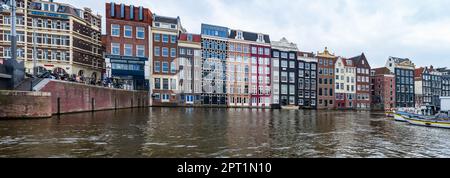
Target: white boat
(425, 117)
(399, 117)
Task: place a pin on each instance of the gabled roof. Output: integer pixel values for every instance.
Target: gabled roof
(418, 72)
(164, 19)
(285, 45)
(358, 60)
(195, 37)
(249, 36)
(382, 71)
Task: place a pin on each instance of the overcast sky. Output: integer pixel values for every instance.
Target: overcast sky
(415, 29)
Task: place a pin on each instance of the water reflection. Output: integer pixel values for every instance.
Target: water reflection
(201, 132)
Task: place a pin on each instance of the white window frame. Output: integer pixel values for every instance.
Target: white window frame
(113, 28)
(138, 30)
(127, 28)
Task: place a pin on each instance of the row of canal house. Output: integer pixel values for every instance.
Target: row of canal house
(218, 67)
(236, 68)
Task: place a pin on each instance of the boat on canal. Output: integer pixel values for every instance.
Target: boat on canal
(426, 116)
(402, 114)
(389, 113)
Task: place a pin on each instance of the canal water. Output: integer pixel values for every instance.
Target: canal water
(219, 133)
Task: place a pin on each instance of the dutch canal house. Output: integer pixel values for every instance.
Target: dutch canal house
(238, 70)
(445, 81)
(403, 70)
(190, 69)
(284, 72)
(127, 45)
(382, 89)
(214, 56)
(428, 87)
(345, 90)
(326, 93)
(307, 80)
(164, 43)
(67, 39)
(362, 82)
(248, 69)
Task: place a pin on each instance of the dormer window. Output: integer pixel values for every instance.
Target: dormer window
(157, 24)
(172, 26)
(239, 35)
(260, 38)
(189, 37)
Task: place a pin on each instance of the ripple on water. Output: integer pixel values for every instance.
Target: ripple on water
(156, 144)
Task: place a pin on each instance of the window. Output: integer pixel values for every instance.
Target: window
(292, 64)
(173, 39)
(115, 48)
(165, 38)
(292, 89)
(115, 30)
(140, 50)
(173, 52)
(165, 52)
(254, 50)
(128, 50)
(165, 84)
(140, 32)
(173, 67)
(157, 83)
(291, 56)
(157, 37)
(165, 67)
(276, 63)
(284, 89)
(157, 51)
(291, 77)
(267, 51)
(157, 66)
(284, 64)
(276, 54)
(284, 77)
(173, 84)
(128, 31)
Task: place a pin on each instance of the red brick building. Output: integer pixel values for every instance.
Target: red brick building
(383, 89)
(362, 82)
(326, 92)
(127, 44)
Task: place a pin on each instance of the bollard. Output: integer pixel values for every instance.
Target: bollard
(58, 106)
(92, 104)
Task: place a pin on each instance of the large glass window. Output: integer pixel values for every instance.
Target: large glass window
(157, 51)
(173, 52)
(128, 50)
(165, 67)
(165, 84)
(128, 31)
(140, 32)
(165, 38)
(157, 83)
(140, 50)
(115, 30)
(173, 39)
(157, 66)
(165, 52)
(115, 48)
(173, 67)
(157, 37)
